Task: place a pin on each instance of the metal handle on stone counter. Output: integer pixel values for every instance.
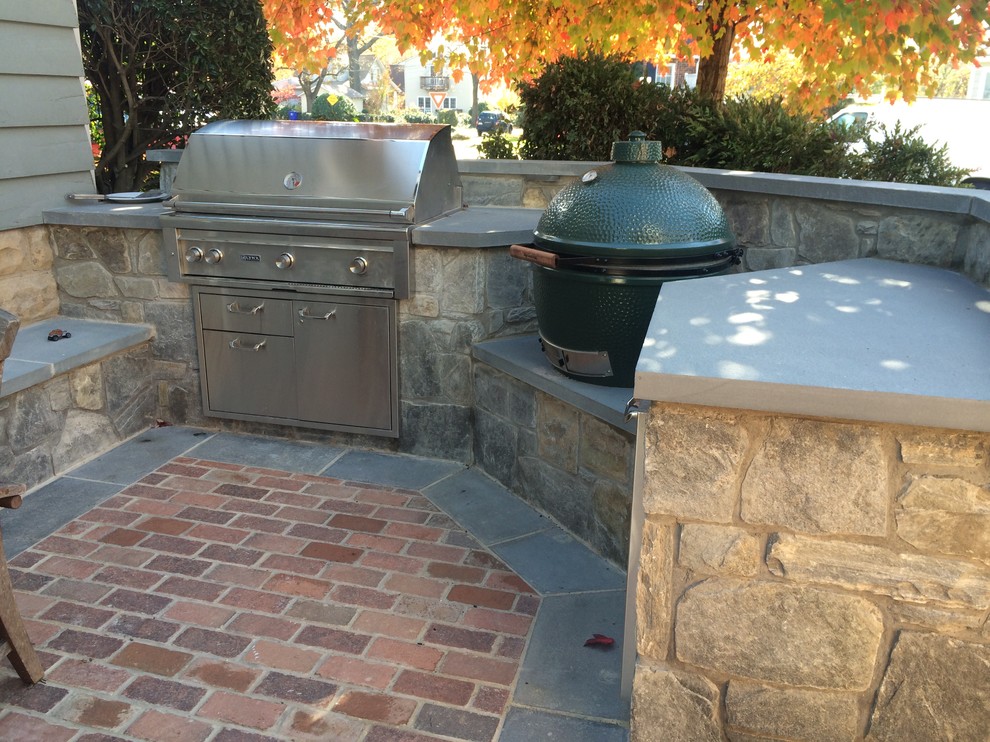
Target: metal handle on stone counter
(633, 408)
(304, 313)
(235, 344)
(235, 308)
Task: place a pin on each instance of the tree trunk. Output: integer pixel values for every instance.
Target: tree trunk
(713, 69)
(474, 100)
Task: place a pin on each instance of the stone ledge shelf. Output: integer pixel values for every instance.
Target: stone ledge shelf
(868, 340)
(34, 359)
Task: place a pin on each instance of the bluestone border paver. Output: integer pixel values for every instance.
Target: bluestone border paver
(393, 470)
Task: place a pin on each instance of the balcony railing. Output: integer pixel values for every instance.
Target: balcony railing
(434, 82)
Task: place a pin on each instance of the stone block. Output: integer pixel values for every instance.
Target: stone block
(976, 256)
(918, 239)
(612, 505)
(85, 280)
(792, 635)
(947, 515)
(427, 270)
(440, 430)
(495, 446)
(938, 618)
(935, 687)
(59, 395)
(137, 288)
(171, 289)
(504, 396)
(789, 713)
(564, 496)
(150, 252)
(825, 235)
(11, 256)
(654, 590)
(768, 258)
(668, 706)
(427, 371)
(421, 305)
(818, 477)
(86, 434)
(925, 447)
(783, 229)
(463, 283)
(558, 432)
(30, 296)
(864, 567)
(111, 247)
(723, 550)
(489, 191)
(750, 221)
(508, 281)
(175, 339)
(605, 450)
(693, 463)
(87, 387)
(32, 421)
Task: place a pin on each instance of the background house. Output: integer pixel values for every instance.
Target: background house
(420, 82)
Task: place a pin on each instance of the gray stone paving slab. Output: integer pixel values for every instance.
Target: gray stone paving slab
(391, 470)
(554, 562)
(524, 725)
(559, 673)
(50, 507)
(141, 455)
(269, 453)
(484, 507)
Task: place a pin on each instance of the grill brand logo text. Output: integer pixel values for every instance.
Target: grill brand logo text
(248, 258)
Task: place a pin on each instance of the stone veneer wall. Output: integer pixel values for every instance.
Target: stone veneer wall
(786, 220)
(811, 580)
(27, 282)
(567, 463)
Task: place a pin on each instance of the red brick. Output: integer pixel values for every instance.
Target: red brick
(348, 507)
(17, 726)
(376, 707)
(416, 585)
(276, 543)
(511, 647)
(478, 558)
(230, 554)
(301, 515)
(242, 710)
(527, 604)
(357, 523)
(387, 624)
(129, 600)
(381, 496)
(491, 700)
(210, 616)
(241, 490)
(111, 554)
(105, 515)
(149, 658)
(193, 491)
(439, 552)
(332, 552)
(155, 726)
(353, 575)
(98, 712)
(252, 507)
(88, 674)
(279, 483)
(154, 507)
(171, 544)
(433, 687)
(506, 623)
(66, 567)
(323, 726)
(277, 655)
(405, 653)
(178, 565)
(256, 601)
(223, 674)
(438, 610)
(454, 636)
(296, 565)
(327, 487)
(28, 581)
(312, 611)
(187, 587)
(31, 605)
(159, 692)
(508, 581)
(217, 643)
(168, 526)
(462, 665)
(67, 546)
(482, 596)
(357, 671)
(84, 643)
(393, 562)
(40, 632)
(41, 697)
(138, 627)
(261, 523)
(320, 534)
(334, 639)
(296, 585)
(120, 577)
(295, 688)
(413, 531)
(254, 625)
(184, 470)
(363, 596)
(147, 492)
(224, 535)
(205, 514)
(403, 515)
(387, 544)
(231, 574)
(77, 615)
(456, 572)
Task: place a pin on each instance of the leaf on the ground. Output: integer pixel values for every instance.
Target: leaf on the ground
(599, 640)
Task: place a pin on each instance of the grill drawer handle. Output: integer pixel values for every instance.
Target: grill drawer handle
(235, 308)
(304, 313)
(236, 344)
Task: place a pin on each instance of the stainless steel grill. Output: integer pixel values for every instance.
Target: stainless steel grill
(296, 239)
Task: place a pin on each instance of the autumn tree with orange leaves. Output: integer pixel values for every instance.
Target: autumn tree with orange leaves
(842, 45)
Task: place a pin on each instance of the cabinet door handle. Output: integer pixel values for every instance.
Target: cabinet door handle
(304, 313)
(235, 308)
(236, 344)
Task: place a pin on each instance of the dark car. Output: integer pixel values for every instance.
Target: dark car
(493, 121)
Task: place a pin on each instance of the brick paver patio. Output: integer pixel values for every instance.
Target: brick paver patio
(214, 601)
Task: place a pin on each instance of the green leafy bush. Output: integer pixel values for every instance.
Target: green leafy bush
(901, 156)
(418, 117)
(340, 110)
(495, 145)
(447, 116)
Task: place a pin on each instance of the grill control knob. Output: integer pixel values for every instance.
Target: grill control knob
(213, 256)
(359, 266)
(285, 260)
(194, 255)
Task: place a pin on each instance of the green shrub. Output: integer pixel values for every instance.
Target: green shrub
(495, 145)
(418, 117)
(901, 156)
(447, 116)
(761, 135)
(340, 110)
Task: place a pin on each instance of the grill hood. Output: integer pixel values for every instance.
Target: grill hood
(322, 170)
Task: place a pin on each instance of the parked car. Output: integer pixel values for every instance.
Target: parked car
(493, 121)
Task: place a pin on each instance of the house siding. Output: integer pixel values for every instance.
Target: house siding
(44, 134)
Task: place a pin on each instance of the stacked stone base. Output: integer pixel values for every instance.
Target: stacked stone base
(812, 580)
(49, 428)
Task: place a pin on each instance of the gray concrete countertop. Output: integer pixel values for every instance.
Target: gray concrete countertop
(869, 340)
(475, 226)
(479, 226)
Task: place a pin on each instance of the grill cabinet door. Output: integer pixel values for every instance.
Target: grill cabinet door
(344, 364)
(250, 374)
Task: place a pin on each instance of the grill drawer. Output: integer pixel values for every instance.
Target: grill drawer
(250, 374)
(262, 315)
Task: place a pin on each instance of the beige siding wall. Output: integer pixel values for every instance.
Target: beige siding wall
(44, 138)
